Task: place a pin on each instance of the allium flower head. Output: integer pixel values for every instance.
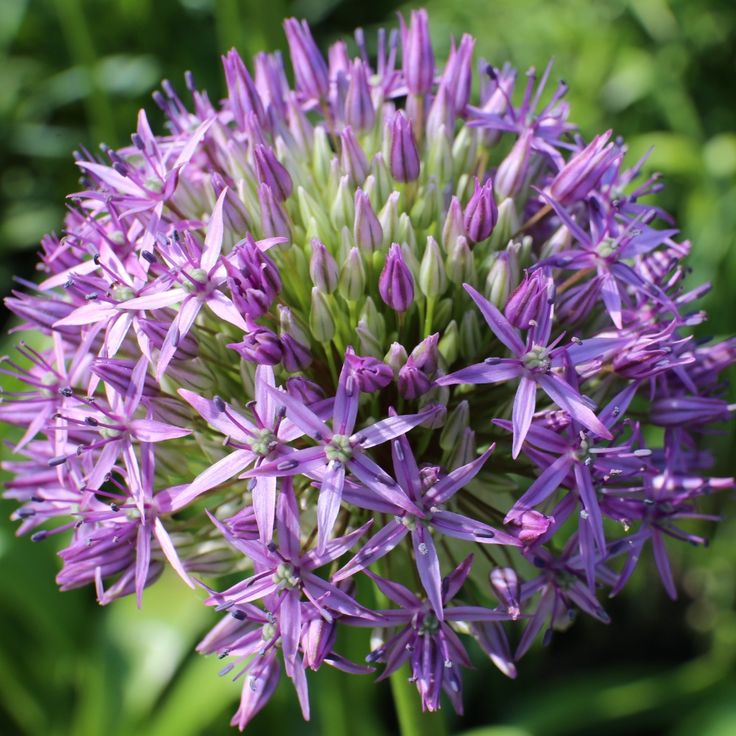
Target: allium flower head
(362, 329)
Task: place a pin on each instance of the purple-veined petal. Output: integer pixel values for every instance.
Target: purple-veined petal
(241, 430)
(428, 566)
(584, 482)
(265, 403)
(566, 398)
(224, 308)
(264, 506)
(382, 484)
(497, 371)
(290, 624)
(157, 300)
(223, 470)
(405, 467)
(450, 484)
(215, 232)
(395, 592)
(391, 427)
(305, 418)
(142, 561)
(328, 504)
(149, 430)
(525, 402)
(611, 297)
(663, 563)
(500, 326)
(543, 487)
(299, 462)
(168, 548)
(475, 613)
(347, 400)
(377, 546)
(463, 527)
(288, 522)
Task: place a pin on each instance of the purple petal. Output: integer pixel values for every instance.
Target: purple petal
(463, 527)
(142, 561)
(168, 548)
(566, 398)
(224, 469)
(428, 566)
(149, 430)
(524, 404)
(335, 548)
(475, 613)
(390, 427)
(377, 546)
(290, 620)
(543, 487)
(611, 297)
(305, 418)
(405, 467)
(299, 462)
(663, 563)
(264, 506)
(215, 233)
(328, 504)
(241, 430)
(502, 369)
(395, 592)
(347, 400)
(500, 326)
(450, 484)
(382, 484)
(588, 496)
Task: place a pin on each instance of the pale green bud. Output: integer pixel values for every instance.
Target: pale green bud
(560, 240)
(457, 422)
(406, 233)
(342, 211)
(309, 208)
(439, 161)
(384, 181)
(428, 207)
(454, 227)
(351, 284)
(322, 155)
(470, 336)
(506, 225)
(370, 344)
(321, 321)
(373, 319)
(464, 451)
(442, 313)
(432, 274)
(449, 344)
(436, 395)
(389, 219)
(460, 263)
(465, 149)
(396, 357)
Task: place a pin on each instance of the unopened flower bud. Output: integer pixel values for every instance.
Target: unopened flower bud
(449, 345)
(359, 110)
(371, 374)
(464, 451)
(367, 230)
(506, 225)
(418, 57)
(460, 263)
(323, 268)
(528, 299)
(342, 212)
(274, 220)
(432, 275)
(353, 160)
(514, 168)
(458, 74)
(470, 336)
(396, 357)
(481, 213)
(454, 226)
(260, 346)
(321, 321)
(500, 281)
(310, 69)
(389, 218)
(396, 284)
(272, 172)
(352, 282)
(404, 160)
(305, 390)
(458, 420)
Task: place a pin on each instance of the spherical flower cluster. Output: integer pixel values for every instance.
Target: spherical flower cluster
(372, 327)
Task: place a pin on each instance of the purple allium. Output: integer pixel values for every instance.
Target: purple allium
(190, 398)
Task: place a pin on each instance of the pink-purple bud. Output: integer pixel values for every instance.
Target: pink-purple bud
(272, 172)
(418, 57)
(415, 376)
(305, 390)
(260, 346)
(367, 230)
(458, 74)
(243, 95)
(253, 278)
(584, 170)
(513, 169)
(372, 374)
(310, 69)
(352, 157)
(274, 220)
(404, 162)
(359, 110)
(396, 284)
(481, 213)
(527, 300)
(323, 268)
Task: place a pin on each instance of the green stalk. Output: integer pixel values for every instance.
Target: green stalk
(412, 721)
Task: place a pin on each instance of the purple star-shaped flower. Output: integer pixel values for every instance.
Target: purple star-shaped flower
(429, 495)
(340, 448)
(532, 364)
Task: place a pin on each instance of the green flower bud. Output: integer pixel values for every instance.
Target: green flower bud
(396, 357)
(439, 162)
(464, 451)
(432, 275)
(370, 344)
(503, 276)
(427, 208)
(321, 321)
(322, 155)
(470, 337)
(373, 319)
(457, 422)
(308, 209)
(506, 225)
(389, 219)
(407, 236)
(465, 149)
(460, 263)
(351, 284)
(454, 227)
(449, 344)
(384, 182)
(443, 313)
(342, 211)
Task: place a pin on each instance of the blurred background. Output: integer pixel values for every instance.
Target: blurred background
(74, 72)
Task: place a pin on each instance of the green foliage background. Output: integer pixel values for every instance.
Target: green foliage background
(659, 72)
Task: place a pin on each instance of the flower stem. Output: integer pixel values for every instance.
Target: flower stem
(330, 360)
(429, 316)
(412, 721)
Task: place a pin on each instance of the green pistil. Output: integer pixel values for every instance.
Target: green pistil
(537, 359)
(122, 293)
(285, 577)
(605, 248)
(339, 449)
(264, 442)
(196, 276)
(429, 624)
